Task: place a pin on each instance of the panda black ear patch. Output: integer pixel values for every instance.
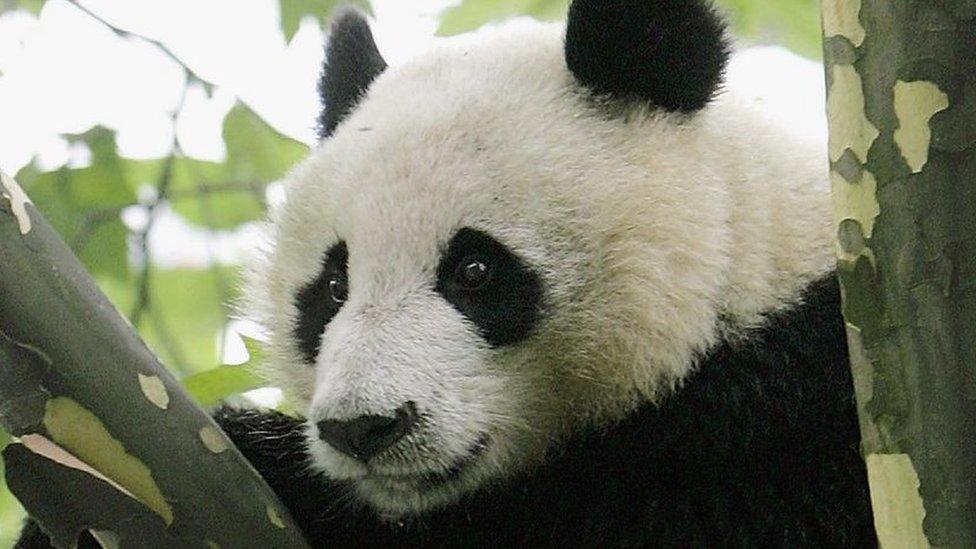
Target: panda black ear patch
(352, 62)
(671, 53)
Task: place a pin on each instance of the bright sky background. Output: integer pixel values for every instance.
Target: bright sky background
(64, 72)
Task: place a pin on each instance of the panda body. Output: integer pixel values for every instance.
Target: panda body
(556, 287)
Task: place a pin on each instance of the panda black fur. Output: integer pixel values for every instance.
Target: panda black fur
(556, 289)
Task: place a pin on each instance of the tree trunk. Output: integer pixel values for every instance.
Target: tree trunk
(901, 104)
(108, 440)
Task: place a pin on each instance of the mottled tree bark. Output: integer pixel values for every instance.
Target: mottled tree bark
(901, 103)
(108, 440)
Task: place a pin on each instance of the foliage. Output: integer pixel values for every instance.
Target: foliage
(471, 14)
(211, 386)
(83, 204)
(183, 324)
(33, 6)
(794, 24)
(227, 194)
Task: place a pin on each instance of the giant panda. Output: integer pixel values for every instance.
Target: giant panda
(556, 288)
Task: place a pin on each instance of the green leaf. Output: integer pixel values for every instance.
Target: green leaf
(212, 386)
(33, 6)
(192, 305)
(227, 194)
(293, 11)
(84, 204)
(471, 14)
(255, 350)
(794, 24)
(255, 149)
(186, 316)
(204, 194)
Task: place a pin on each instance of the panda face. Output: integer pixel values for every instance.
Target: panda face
(437, 352)
(455, 258)
(483, 258)
(477, 277)
(418, 286)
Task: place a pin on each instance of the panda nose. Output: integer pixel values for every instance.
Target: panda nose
(365, 436)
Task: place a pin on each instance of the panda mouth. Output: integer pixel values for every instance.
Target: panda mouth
(433, 479)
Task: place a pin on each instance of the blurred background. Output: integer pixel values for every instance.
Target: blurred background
(153, 134)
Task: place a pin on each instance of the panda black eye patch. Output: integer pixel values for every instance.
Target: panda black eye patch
(490, 286)
(320, 300)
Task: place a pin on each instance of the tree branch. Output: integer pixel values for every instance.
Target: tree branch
(99, 417)
(142, 287)
(193, 76)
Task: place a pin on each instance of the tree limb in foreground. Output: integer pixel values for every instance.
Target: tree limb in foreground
(901, 106)
(108, 440)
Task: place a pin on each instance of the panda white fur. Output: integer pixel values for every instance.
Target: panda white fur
(557, 288)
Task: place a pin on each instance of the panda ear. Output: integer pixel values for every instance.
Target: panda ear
(352, 62)
(671, 53)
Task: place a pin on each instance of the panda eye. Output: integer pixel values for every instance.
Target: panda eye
(338, 288)
(491, 286)
(473, 272)
(320, 300)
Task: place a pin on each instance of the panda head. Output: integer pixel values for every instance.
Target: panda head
(496, 245)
